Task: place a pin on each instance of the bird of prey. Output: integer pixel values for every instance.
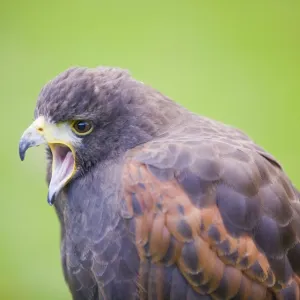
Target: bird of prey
(157, 202)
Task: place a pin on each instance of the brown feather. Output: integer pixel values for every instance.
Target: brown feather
(217, 256)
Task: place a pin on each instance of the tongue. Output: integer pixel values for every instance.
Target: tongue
(60, 175)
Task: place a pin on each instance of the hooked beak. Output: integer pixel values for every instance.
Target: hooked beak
(59, 138)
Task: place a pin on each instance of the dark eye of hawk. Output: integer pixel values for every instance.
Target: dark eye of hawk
(82, 127)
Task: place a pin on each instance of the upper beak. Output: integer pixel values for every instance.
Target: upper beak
(32, 136)
(59, 141)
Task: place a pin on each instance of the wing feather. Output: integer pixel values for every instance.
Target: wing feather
(223, 216)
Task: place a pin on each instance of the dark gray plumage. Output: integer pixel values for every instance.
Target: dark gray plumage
(166, 204)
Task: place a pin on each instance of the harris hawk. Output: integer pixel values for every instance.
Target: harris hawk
(157, 202)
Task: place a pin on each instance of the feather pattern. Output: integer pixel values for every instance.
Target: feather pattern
(167, 204)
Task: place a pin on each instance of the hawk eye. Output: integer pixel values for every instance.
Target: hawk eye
(82, 127)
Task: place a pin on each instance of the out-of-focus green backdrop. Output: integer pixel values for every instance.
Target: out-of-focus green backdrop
(236, 61)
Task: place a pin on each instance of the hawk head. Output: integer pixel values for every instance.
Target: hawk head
(85, 116)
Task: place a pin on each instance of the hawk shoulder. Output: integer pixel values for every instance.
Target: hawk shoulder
(225, 214)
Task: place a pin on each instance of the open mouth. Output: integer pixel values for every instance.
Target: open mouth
(63, 167)
(63, 162)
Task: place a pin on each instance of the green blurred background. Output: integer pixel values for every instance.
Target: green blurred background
(236, 61)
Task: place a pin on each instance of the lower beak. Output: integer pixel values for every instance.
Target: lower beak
(63, 165)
